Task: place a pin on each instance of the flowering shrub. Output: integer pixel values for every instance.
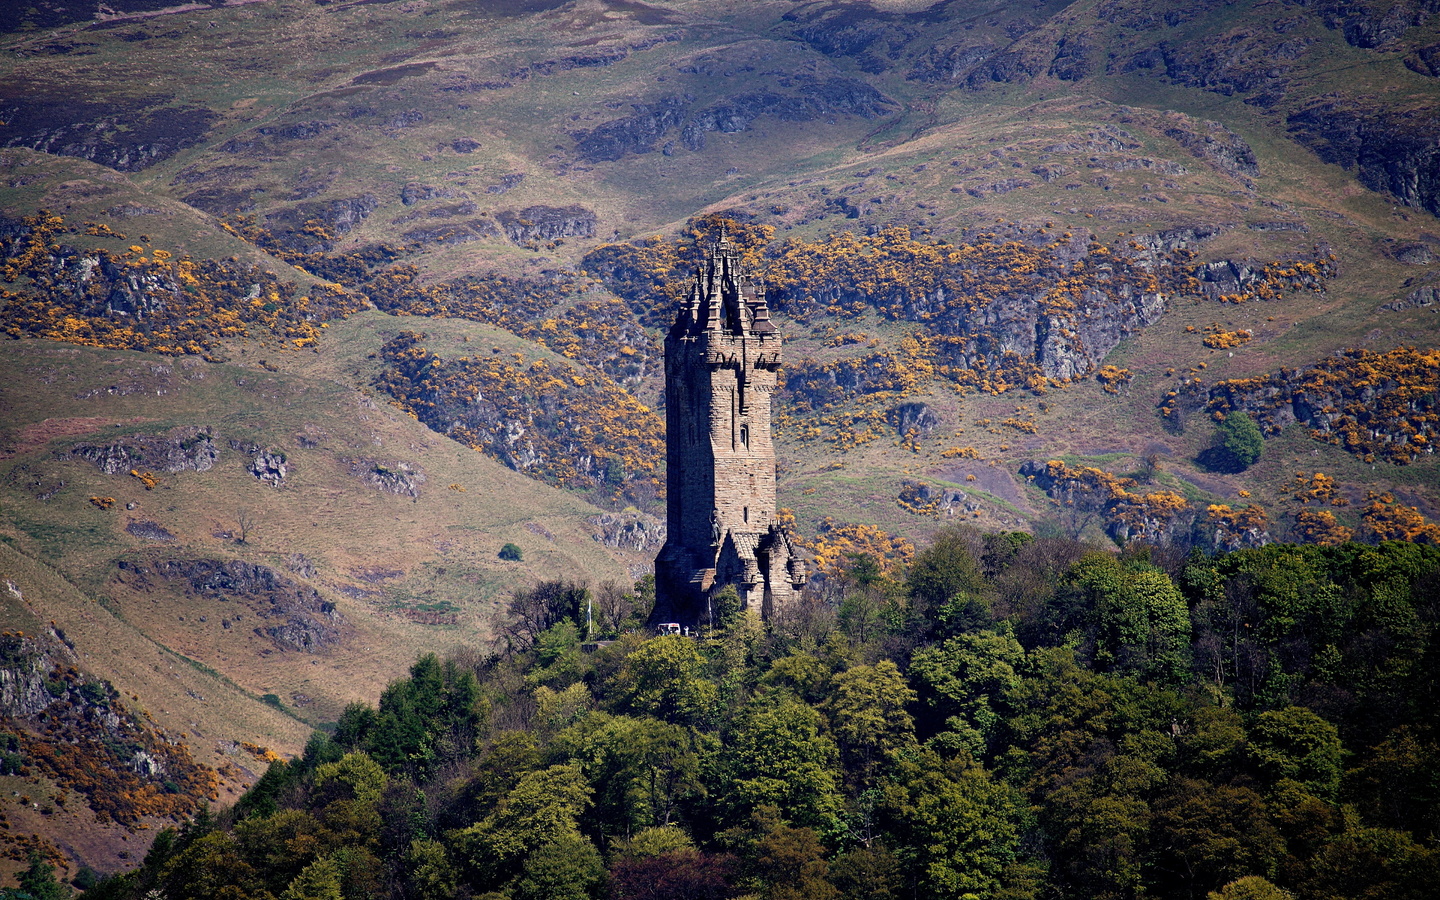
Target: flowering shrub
(560, 422)
(1386, 519)
(836, 543)
(151, 300)
(1374, 405)
(1319, 526)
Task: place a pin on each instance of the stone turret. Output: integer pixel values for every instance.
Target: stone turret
(722, 362)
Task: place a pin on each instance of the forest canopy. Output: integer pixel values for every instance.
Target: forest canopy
(1004, 717)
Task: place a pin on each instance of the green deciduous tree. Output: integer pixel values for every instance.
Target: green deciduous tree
(791, 865)
(431, 875)
(1294, 744)
(1251, 887)
(779, 756)
(543, 808)
(957, 827)
(567, 868)
(318, 881)
(643, 770)
(1207, 835)
(946, 568)
(868, 714)
(354, 777)
(962, 682)
(210, 868)
(663, 679)
(1142, 621)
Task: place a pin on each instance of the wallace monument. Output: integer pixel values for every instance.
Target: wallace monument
(722, 359)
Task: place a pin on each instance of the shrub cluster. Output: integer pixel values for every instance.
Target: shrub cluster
(560, 422)
(149, 299)
(1374, 405)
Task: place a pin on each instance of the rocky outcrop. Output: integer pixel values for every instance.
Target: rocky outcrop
(415, 191)
(1008, 66)
(1252, 62)
(1072, 58)
(506, 184)
(633, 531)
(270, 467)
(557, 421)
(295, 617)
(1247, 278)
(807, 101)
(400, 477)
(1421, 297)
(23, 678)
(1425, 60)
(265, 138)
(546, 223)
(1371, 23)
(1394, 151)
(183, 449)
(1063, 346)
(1216, 144)
(635, 133)
(951, 63)
(150, 531)
(916, 418)
(1085, 495)
(314, 227)
(1412, 254)
(931, 500)
(129, 139)
(452, 233)
(1371, 404)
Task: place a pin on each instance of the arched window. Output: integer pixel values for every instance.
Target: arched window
(745, 436)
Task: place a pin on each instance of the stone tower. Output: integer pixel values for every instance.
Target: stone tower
(722, 359)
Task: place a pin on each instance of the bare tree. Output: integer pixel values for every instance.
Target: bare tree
(533, 610)
(246, 520)
(614, 604)
(1149, 465)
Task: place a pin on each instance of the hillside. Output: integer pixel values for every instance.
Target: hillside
(492, 161)
(240, 553)
(1025, 257)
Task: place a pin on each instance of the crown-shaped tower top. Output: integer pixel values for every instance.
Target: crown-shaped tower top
(724, 298)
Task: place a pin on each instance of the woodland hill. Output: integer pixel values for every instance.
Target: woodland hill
(1007, 717)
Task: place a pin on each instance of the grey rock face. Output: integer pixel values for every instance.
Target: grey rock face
(546, 223)
(1421, 297)
(93, 131)
(400, 477)
(806, 102)
(916, 417)
(338, 217)
(1392, 151)
(187, 448)
(270, 467)
(1217, 145)
(294, 617)
(628, 531)
(150, 531)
